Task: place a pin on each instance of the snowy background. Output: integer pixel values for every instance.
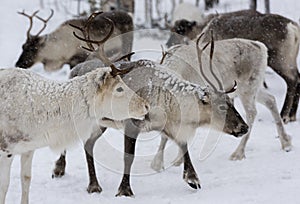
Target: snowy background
(267, 175)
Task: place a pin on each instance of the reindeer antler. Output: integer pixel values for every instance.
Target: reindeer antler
(164, 54)
(45, 21)
(211, 54)
(199, 53)
(100, 43)
(30, 20)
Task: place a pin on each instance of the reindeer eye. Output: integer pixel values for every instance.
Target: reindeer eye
(120, 89)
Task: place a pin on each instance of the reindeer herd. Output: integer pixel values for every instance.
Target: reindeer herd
(194, 83)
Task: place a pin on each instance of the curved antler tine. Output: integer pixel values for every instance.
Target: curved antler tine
(199, 38)
(127, 56)
(76, 27)
(30, 17)
(199, 54)
(233, 89)
(116, 71)
(210, 61)
(164, 54)
(79, 37)
(45, 21)
(110, 31)
(92, 16)
(85, 39)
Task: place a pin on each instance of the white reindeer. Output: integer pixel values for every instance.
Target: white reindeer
(240, 60)
(36, 112)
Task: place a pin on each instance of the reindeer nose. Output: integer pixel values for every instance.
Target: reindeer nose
(243, 130)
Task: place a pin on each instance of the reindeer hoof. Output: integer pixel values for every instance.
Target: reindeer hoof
(94, 188)
(157, 164)
(58, 172)
(125, 192)
(286, 143)
(237, 156)
(287, 119)
(192, 180)
(194, 185)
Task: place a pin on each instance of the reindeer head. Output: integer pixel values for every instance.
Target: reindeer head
(179, 30)
(33, 42)
(224, 115)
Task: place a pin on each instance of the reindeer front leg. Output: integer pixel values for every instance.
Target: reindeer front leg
(189, 174)
(157, 163)
(26, 164)
(132, 131)
(93, 186)
(5, 166)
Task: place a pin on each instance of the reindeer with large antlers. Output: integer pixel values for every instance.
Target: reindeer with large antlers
(280, 35)
(185, 106)
(59, 47)
(240, 60)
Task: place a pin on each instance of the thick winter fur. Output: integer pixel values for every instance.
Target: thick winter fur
(280, 35)
(61, 47)
(177, 108)
(240, 60)
(36, 112)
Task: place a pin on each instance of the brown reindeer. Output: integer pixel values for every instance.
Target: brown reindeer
(59, 47)
(279, 34)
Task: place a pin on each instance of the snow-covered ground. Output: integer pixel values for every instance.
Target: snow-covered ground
(267, 175)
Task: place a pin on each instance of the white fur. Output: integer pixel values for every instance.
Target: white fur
(240, 60)
(36, 112)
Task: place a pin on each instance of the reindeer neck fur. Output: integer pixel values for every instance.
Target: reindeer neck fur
(168, 79)
(56, 108)
(62, 42)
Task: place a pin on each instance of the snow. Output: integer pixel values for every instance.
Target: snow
(267, 175)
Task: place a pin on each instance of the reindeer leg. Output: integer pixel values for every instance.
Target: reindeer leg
(5, 166)
(93, 186)
(250, 109)
(288, 102)
(26, 165)
(179, 159)
(60, 166)
(157, 163)
(294, 108)
(132, 131)
(286, 67)
(270, 102)
(189, 173)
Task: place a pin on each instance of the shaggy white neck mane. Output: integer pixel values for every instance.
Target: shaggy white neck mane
(173, 82)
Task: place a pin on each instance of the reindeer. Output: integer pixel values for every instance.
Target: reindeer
(58, 48)
(37, 112)
(245, 62)
(177, 108)
(279, 34)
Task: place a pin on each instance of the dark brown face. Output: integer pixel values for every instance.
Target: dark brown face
(30, 51)
(225, 117)
(181, 28)
(234, 123)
